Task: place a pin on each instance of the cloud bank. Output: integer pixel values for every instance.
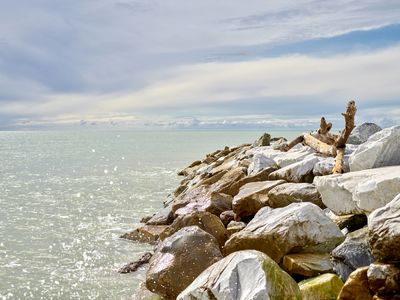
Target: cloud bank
(195, 64)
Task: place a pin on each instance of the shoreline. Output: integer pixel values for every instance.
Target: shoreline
(231, 205)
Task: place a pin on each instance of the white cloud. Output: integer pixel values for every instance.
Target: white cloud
(365, 77)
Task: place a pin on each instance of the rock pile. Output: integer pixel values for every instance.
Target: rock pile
(253, 222)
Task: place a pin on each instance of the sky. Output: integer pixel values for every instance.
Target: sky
(200, 64)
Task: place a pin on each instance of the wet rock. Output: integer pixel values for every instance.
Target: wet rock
(163, 217)
(246, 275)
(356, 287)
(264, 140)
(142, 293)
(384, 280)
(234, 227)
(145, 234)
(352, 254)
(259, 163)
(298, 227)
(204, 220)
(359, 192)
(227, 216)
(307, 264)
(287, 193)
(133, 266)
(190, 169)
(384, 231)
(361, 133)
(252, 196)
(145, 219)
(326, 287)
(380, 150)
(301, 171)
(180, 259)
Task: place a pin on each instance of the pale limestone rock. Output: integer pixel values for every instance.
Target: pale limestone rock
(359, 192)
(299, 227)
(380, 150)
(301, 171)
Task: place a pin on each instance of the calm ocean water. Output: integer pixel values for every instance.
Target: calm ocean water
(66, 197)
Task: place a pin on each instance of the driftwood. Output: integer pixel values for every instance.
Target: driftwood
(133, 266)
(326, 143)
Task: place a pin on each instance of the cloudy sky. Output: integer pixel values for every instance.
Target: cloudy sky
(197, 64)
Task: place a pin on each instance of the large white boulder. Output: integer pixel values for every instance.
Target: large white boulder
(249, 275)
(380, 150)
(298, 227)
(359, 192)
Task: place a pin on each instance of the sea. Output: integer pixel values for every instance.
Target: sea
(67, 196)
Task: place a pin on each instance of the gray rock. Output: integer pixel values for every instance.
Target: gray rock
(380, 150)
(384, 231)
(287, 193)
(361, 133)
(301, 171)
(298, 227)
(180, 259)
(353, 253)
(249, 275)
(359, 192)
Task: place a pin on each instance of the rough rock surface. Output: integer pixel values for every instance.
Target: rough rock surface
(356, 287)
(323, 287)
(234, 227)
(301, 171)
(164, 217)
(380, 150)
(384, 231)
(359, 192)
(180, 259)
(352, 254)
(145, 234)
(294, 228)
(208, 222)
(307, 264)
(229, 279)
(361, 133)
(384, 279)
(287, 193)
(227, 216)
(252, 196)
(259, 163)
(325, 166)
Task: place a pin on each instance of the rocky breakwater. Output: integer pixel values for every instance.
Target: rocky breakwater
(254, 222)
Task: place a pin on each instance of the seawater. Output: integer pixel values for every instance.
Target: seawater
(66, 197)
